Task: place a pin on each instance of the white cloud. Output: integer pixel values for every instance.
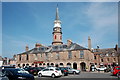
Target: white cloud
(104, 20)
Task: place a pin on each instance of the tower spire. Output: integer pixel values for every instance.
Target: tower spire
(57, 13)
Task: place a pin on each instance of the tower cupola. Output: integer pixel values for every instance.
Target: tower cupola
(57, 31)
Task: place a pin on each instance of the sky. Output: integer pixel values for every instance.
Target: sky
(28, 23)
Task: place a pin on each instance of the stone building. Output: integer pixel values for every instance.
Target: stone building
(107, 57)
(57, 54)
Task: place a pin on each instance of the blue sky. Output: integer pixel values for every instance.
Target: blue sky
(27, 23)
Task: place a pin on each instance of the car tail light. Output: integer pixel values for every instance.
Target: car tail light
(31, 70)
(56, 71)
(65, 71)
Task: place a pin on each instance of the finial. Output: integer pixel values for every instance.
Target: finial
(57, 13)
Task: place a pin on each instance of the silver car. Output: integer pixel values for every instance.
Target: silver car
(72, 71)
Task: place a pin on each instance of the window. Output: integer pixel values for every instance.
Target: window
(82, 54)
(101, 60)
(114, 59)
(20, 57)
(35, 56)
(51, 70)
(60, 37)
(27, 57)
(46, 54)
(107, 59)
(41, 54)
(57, 56)
(69, 55)
(55, 36)
(94, 57)
(46, 70)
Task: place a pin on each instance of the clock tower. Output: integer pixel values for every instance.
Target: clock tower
(57, 32)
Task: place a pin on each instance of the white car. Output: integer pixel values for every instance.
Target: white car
(101, 68)
(50, 71)
(73, 71)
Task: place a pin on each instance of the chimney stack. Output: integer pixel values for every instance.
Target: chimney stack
(69, 42)
(26, 48)
(37, 45)
(89, 43)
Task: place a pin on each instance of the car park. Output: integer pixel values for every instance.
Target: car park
(50, 71)
(64, 71)
(72, 71)
(16, 74)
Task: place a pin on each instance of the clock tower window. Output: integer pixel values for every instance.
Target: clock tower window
(55, 36)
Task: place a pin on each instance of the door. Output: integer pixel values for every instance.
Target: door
(45, 72)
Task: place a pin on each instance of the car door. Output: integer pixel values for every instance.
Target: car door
(70, 70)
(51, 72)
(45, 72)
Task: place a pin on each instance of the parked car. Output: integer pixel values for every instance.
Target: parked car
(72, 71)
(64, 71)
(22, 70)
(101, 69)
(16, 74)
(3, 67)
(50, 71)
(116, 69)
(118, 74)
(31, 70)
(3, 77)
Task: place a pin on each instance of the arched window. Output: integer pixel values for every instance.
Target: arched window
(20, 57)
(27, 57)
(55, 36)
(60, 37)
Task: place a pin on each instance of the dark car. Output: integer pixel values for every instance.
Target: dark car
(3, 77)
(32, 70)
(64, 71)
(16, 74)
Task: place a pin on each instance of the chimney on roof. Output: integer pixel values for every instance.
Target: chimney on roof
(116, 47)
(69, 42)
(26, 48)
(37, 45)
(89, 43)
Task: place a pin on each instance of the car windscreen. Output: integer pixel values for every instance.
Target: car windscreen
(57, 69)
(16, 71)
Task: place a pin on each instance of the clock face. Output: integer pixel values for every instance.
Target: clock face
(55, 29)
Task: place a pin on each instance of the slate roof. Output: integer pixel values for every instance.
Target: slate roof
(55, 48)
(107, 51)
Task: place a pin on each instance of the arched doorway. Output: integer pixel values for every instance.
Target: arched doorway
(68, 64)
(19, 65)
(23, 65)
(56, 65)
(74, 65)
(27, 65)
(40, 64)
(52, 64)
(83, 66)
(47, 64)
(61, 64)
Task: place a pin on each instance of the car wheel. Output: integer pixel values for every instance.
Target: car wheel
(53, 75)
(74, 72)
(39, 75)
